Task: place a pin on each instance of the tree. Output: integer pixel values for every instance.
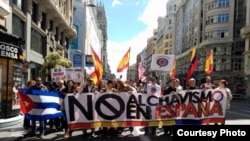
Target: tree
(54, 60)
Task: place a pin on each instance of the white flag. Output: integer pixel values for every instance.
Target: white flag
(162, 62)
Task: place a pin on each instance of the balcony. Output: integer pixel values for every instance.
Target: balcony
(4, 8)
(245, 31)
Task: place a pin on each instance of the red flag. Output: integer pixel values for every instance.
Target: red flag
(124, 63)
(96, 75)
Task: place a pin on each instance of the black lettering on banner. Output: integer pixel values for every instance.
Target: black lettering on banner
(206, 97)
(87, 113)
(195, 97)
(164, 99)
(149, 100)
(102, 100)
(140, 101)
(134, 107)
(175, 99)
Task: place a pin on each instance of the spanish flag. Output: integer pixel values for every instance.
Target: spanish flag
(96, 75)
(124, 63)
(209, 63)
(172, 73)
(193, 65)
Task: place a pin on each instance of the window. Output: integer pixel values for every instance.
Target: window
(36, 41)
(57, 34)
(44, 21)
(19, 4)
(209, 35)
(209, 20)
(217, 4)
(170, 21)
(34, 12)
(222, 33)
(18, 26)
(223, 3)
(51, 24)
(222, 18)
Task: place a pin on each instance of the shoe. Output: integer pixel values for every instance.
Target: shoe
(41, 136)
(131, 135)
(67, 135)
(120, 135)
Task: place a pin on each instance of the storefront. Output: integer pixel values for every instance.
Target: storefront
(11, 73)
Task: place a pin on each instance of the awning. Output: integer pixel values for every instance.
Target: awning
(10, 38)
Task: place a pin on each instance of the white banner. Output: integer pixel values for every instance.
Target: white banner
(162, 62)
(124, 109)
(74, 74)
(66, 74)
(57, 74)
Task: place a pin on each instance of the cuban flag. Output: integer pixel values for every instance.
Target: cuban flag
(40, 105)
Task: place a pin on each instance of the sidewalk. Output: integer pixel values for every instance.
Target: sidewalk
(12, 133)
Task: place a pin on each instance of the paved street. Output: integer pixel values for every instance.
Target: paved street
(238, 114)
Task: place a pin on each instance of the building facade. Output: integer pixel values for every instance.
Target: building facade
(89, 35)
(245, 34)
(102, 22)
(131, 72)
(210, 24)
(43, 26)
(149, 51)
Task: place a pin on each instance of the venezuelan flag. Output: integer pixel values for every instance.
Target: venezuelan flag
(193, 65)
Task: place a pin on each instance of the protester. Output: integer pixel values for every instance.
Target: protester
(26, 122)
(208, 84)
(39, 86)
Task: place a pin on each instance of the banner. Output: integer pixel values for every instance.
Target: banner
(77, 60)
(124, 110)
(89, 62)
(66, 74)
(57, 74)
(74, 74)
(162, 62)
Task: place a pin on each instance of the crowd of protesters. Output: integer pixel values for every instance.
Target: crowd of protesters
(115, 85)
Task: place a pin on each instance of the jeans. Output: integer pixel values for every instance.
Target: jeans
(42, 127)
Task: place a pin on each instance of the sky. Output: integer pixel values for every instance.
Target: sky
(130, 24)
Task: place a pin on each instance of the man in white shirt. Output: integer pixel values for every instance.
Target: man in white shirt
(178, 86)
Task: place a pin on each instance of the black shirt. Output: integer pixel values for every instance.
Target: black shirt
(169, 90)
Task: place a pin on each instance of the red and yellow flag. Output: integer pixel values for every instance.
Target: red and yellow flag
(124, 63)
(209, 63)
(96, 75)
(172, 72)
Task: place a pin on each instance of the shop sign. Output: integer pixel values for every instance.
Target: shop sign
(11, 51)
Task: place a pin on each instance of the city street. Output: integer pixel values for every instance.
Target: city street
(238, 114)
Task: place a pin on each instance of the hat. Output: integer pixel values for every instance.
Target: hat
(192, 78)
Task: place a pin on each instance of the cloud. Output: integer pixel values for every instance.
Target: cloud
(117, 49)
(116, 2)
